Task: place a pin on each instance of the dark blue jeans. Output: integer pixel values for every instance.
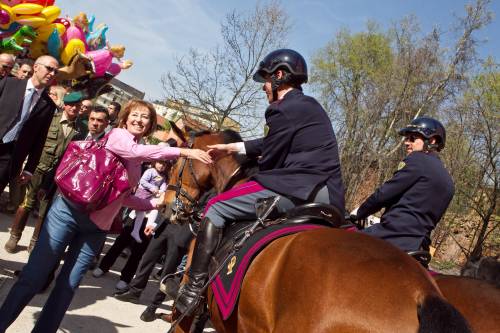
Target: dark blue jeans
(64, 228)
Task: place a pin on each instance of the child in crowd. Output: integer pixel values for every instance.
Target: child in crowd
(152, 184)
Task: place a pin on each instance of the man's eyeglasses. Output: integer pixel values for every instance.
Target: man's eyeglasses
(50, 69)
(7, 67)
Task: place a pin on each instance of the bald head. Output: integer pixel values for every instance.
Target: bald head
(6, 64)
(44, 71)
(46, 58)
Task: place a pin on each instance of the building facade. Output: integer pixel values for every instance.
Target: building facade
(121, 93)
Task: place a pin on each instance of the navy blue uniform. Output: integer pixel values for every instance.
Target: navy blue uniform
(299, 152)
(414, 199)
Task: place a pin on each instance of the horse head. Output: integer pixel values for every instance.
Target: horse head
(189, 179)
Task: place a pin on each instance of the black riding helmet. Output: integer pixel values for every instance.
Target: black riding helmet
(287, 59)
(428, 128)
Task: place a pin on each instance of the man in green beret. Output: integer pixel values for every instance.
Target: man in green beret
(63, 129)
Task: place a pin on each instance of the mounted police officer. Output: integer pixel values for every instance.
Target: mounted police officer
(418, 194)
(298, 161)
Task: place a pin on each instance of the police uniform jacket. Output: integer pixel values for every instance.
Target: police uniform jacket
(299, 154)
(414, 199)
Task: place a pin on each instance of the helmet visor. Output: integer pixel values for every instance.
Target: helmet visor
(260, 76)
(426, 132)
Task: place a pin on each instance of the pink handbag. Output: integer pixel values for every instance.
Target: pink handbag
(90, 176)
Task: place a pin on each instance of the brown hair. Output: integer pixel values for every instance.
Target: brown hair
(132, 105)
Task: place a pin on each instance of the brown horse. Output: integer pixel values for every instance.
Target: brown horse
(478, 301)
(325, 280)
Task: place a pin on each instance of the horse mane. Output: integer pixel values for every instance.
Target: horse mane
(230, 136)
(249, 167)
(196, 134)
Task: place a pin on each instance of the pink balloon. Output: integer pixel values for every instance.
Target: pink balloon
(73, 33)
(114, 69)
(4, 17)
(102, 60)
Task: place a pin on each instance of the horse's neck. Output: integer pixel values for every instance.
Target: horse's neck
(224, 173)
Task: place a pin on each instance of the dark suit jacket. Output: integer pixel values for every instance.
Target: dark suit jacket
(32, 135)
(299, 152)
(415, 199)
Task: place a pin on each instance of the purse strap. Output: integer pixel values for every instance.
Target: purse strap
(102, 141)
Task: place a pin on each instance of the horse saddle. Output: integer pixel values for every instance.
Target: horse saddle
(311, 213)
(316, 212)
(226, 285)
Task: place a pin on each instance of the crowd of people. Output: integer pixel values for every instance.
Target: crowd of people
(34, 139)
(298, 160)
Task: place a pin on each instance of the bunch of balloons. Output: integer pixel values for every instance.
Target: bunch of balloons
(81, 37)
(34, 13)
(15, 14)
(36, 25)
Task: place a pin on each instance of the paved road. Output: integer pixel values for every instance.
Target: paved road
(93, 310)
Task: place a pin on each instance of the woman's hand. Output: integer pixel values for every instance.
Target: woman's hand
(149, 230)
(196, 154)
(221, 150)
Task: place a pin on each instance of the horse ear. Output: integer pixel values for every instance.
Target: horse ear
(177, 131)
(188, 129)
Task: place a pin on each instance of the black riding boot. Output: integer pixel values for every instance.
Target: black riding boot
(206, 243)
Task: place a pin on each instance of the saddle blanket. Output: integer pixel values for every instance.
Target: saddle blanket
(227, 284)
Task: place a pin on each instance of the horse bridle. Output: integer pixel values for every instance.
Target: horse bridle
(194, 204)
(179, 205)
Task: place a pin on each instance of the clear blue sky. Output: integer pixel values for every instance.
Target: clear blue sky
(154, 31)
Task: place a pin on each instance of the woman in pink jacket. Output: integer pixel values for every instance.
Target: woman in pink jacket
(83, 233)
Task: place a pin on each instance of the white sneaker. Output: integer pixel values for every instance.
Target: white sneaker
(97, 273)
(121, 285)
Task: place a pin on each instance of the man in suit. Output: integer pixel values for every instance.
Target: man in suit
(26, 111)
(63, 129)
(299, 161)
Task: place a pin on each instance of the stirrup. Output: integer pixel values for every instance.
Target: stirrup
(191, 309)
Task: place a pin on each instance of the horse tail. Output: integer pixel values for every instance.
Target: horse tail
(436, 315)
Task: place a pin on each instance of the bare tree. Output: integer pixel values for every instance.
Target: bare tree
(476, 160)
(219, 83)
(375, 82)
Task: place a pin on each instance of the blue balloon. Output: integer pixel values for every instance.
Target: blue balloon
(54, 44)
(96, 40)
(10, 31)
(91, 23)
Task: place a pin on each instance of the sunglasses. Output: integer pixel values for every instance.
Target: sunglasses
(7, 67)
(50, 69)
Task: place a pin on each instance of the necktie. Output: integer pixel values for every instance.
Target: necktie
(12, 134)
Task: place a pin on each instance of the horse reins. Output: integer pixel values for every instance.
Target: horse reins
(179, 191)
